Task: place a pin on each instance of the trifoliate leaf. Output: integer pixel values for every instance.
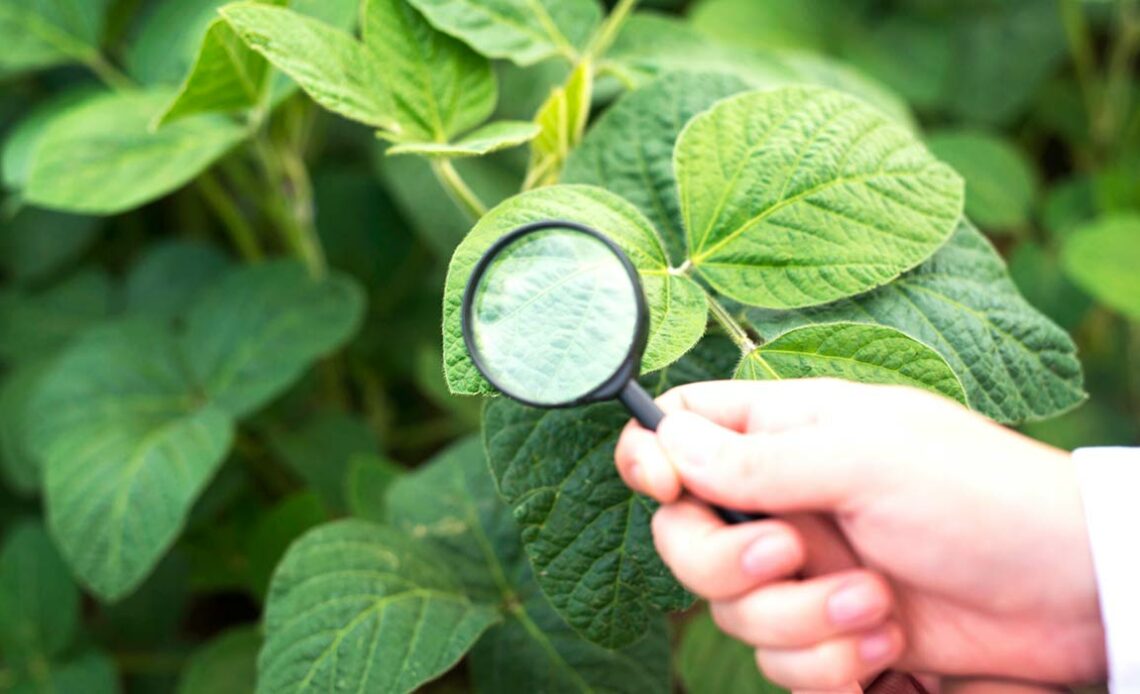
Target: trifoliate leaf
(817, 198)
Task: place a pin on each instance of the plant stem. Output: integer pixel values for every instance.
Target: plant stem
(1080, 47)
(460, 192)
(293, 212)
(1118, 81)
(240, 230)
(610, 29)
(731, 326)
(108, 73)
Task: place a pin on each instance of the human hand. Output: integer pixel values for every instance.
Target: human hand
(927, 537)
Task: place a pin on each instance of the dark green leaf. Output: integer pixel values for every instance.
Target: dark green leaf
(275, 530)
(365, 488)
(165, 281)
(225, 665)
(710, 662)
(39, 603)
(33, 325)
(35, 243)
(18, 465)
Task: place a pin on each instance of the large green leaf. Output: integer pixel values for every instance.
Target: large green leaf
(252, 334)
(225, 665)
(100, 156)
(43, 33)
(587, 535)
(677, 305)
(127, 443)
(39, 603)
(331, 66)
(21, 141)
(767, 24)
(1000, 183)
(33, 325)
(524, 31)
(360, 607)
(711, 662)
(818, 197)
(168, 277)
(453, 503)
(856, 352)
(629, 150)
(1103, 257)
(1015, 364)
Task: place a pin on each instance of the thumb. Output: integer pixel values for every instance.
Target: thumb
(804, 468)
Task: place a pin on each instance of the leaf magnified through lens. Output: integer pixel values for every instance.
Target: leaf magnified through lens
(554, 316)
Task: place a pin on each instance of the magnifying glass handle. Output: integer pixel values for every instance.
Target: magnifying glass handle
(640, 404)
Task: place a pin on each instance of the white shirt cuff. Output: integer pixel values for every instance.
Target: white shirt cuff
(1109, 480)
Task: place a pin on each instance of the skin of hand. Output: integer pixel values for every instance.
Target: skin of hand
(909, 533)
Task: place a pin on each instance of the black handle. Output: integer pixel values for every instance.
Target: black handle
(644, 410)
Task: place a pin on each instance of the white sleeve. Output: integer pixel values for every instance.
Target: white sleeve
(1109, 481)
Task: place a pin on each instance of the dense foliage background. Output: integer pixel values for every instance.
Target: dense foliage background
(221, 306)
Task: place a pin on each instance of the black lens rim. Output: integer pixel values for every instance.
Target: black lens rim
(629, 368)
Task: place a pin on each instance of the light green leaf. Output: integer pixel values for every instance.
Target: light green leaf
(360, 607)
(100, 156)
(856, 352)
(586, 534)
(252, 334)
(1000, 182)
(768, 24)
(1015, 364)
(319, 452)
(332, 67)
(36, 243)
(21, 142)
(1103, 257)
(523, 31)
(33, 325)
(629, 150)
(711, 662)
(818, 197)
(90, 673)
(39, 603)
(562, 122)
(168, 277)
(18, 465)
(439, 86)
(677, 305)
(453, 504)
(367, 483)
(226, 76)
(42, 33)
(225, 665)
(490, 138)
(127, 444)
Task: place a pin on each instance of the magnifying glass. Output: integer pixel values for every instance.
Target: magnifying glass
(554, 316)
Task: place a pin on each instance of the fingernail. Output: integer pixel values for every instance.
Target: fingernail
(854, 604)
(878, 647)
(767, 555)
(688, 439)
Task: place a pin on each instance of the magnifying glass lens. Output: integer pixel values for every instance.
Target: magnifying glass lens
(554, 316)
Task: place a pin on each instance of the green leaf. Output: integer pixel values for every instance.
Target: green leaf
(226, 76)
(453, 504)
(678, 308)
(768, 24)
(127, 444)
(90, 673)
(1102, 258)
(711, 662)
(18, 465)
(168, 277)
(586, 534)
(21, 142)
(366, 486)
(225, 665)
(36, 243)
(439, 86)
(361, 607)
(629, 150)
(332, 67)
(523, 31)
(490, 138)
(39, 603)
(320, 451)
(43, 33)
(1000, 183)
(275, 530)
(1038, 273)
(167, 40)
(100, 156)
(818, 197)
(252, 334)
(1015, 364)
(912, 55)
(33, 325)
(562, 121)
(862, 353)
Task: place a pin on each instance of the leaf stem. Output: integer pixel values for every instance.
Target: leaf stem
(460, 192)
(1080, 48)
(107, 73)
(731, 326)
(609, 31)
(239, 229)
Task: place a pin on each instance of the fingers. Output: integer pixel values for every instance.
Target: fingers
(798, 614)
(833, 664)
(717, 561)
(754, 406)
(642, 464)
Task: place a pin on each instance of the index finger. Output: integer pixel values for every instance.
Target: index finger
(761, 406)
